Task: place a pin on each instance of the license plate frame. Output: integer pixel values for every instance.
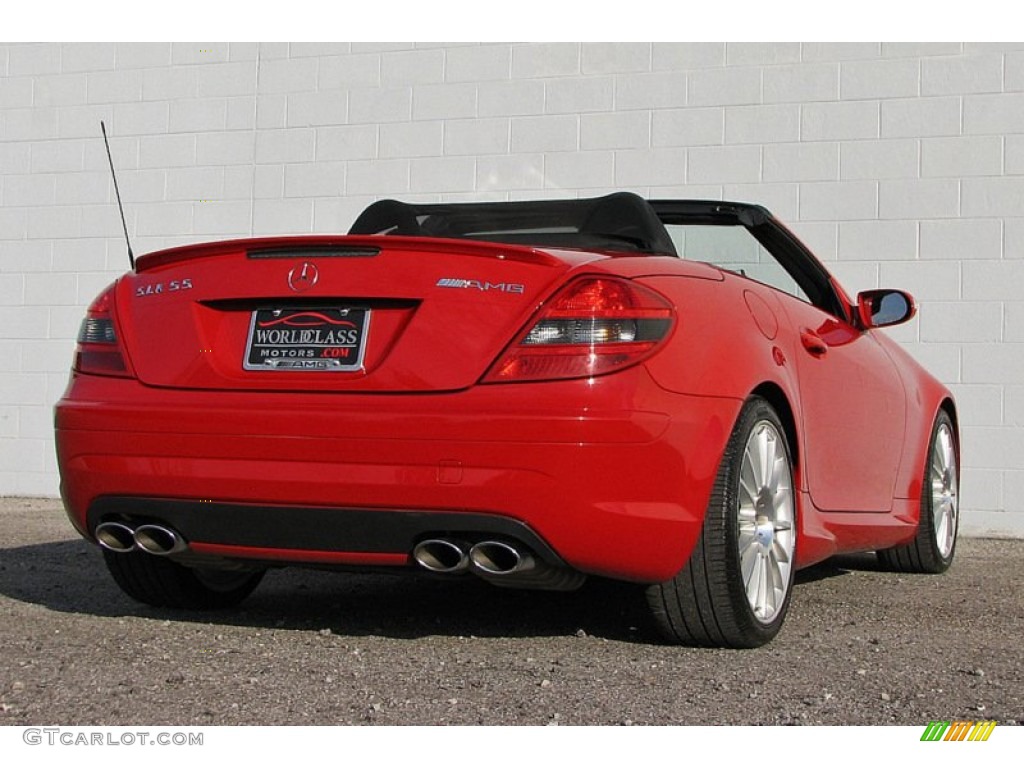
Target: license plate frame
(321, 339)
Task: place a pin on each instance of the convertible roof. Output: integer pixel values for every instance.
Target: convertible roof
(621, 221)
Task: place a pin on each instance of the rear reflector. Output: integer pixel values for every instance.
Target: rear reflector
(98, 351)
(97, 330)
(592, 327)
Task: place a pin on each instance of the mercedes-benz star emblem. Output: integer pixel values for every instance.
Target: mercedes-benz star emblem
(303, 277)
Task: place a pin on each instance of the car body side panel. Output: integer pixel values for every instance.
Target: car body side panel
(712, 337)
(925, 396)
(854, 410)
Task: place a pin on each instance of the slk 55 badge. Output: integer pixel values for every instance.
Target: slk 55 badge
(151, 289)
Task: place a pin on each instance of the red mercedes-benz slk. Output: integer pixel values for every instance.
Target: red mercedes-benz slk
(673, 393)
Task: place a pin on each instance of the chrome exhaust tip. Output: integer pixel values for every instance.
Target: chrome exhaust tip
(441, 555)
(158, 540)
(498, 558)
(115, 537)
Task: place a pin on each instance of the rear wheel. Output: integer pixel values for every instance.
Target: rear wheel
(933, 547)
(734, 592)
(164, 583)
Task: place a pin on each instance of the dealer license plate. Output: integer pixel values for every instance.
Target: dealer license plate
(307, 339)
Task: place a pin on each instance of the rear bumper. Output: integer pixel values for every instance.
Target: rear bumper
(614, 484)
(326, 535)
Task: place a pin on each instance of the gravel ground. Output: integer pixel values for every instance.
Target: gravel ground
(860, 646)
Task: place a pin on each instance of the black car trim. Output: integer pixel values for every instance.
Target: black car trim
(324, 529)
(314, 251)
(619, 221)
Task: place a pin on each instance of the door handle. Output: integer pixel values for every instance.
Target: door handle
(813, 343)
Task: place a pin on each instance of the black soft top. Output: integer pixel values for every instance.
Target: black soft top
(620, 221)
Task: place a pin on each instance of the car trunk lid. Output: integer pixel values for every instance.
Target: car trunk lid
(331, 313)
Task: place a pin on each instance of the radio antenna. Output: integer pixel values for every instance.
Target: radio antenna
(131, 256)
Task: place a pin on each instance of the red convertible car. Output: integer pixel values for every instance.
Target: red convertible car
(674, 393)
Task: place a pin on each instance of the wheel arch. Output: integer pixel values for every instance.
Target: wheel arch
(949, 406)
(936, 523)
(913, 468)
(815, 542)
(778, 399)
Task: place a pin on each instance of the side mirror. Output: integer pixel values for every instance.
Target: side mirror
(884, 307)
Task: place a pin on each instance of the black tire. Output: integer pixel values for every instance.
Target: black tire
(706, 603)
(163, 583)
(934, 545)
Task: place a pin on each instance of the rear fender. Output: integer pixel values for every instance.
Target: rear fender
(727, 342)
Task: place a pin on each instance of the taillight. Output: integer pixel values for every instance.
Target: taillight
(98, 351)
(595, 325)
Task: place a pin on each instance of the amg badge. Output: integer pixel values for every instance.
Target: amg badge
(480, 285)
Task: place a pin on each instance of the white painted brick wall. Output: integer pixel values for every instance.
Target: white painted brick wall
(477, 136)
(656, 90)
(900, 164)
(885, 241)
(821, 121)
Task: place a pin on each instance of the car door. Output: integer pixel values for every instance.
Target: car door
(852, 410)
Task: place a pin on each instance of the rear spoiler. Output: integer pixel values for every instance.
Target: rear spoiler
(338, 246)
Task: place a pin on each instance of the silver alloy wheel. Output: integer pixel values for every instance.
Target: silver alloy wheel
(945, 504)
(767, 535)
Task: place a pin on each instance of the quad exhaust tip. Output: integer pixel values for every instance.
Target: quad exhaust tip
(158, 540)
(116, 537)
(153, 539)
(498, 558)
(487, 558)
(442, 555)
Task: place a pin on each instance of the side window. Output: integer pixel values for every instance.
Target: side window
(733, 248)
